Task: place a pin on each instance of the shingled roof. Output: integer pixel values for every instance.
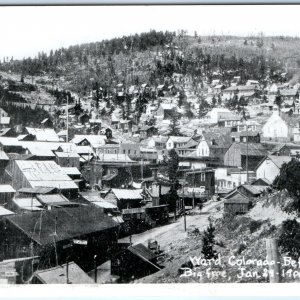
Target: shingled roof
(218, 139)
(291, 121)
(252, 149)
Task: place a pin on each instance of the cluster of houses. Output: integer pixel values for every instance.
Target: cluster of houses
(65, 201)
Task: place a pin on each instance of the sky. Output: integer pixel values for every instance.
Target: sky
(29, 29)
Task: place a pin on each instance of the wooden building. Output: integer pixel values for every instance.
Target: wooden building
(133, 261)
(246, 136)
(76, 232)
(7, 193)
(239, 154)
(47, 123)
(125, 198)
(148, 131)
(83, 118)
(236, 203)
(69, 273)
(31, 174)
(202, 178)
(67, 159)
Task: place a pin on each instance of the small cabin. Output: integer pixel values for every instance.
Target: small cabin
(236, 203)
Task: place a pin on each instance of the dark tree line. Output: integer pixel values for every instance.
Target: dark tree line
(25, 116)
(81, 54)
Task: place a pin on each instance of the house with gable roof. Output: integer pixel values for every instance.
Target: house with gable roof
(177, 141)
(213, 144)
(270, 166)
(165, 110)
(281, 128)
(245, 154)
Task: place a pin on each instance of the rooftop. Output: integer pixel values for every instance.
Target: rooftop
(180, 139)
(27, 202)
(289, 92)
(94, 140)
(45, 134)
(37, 190)
(5, 212)
(279, 160)
(58, 275)
(66, 154)
(70, 222)
(52, 199)
(250, 149)
(127, 194)
(6, 188)
(45, 174)
(71, 170)
(142, 251)
(240, 88)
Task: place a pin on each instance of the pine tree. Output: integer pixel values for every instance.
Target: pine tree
(188, 111)
(288, 179)
(173, 163)
(289, 239)
(174, 123)
(278, 100)
(208, 242)
(219, 100)
(213, 101)
(172, 198)
(97, 97)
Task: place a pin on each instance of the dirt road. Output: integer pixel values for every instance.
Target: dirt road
(175, 231)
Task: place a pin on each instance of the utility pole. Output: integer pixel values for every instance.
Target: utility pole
(54, 240)
(67, 270)
(184, 215)
(67, 135)
(142, 169)
(247, 154)
(95, 268)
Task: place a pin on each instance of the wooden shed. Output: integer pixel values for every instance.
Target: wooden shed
(237, 203)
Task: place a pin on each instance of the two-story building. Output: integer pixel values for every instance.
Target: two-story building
(175, 142)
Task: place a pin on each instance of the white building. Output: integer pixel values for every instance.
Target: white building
(176, 142)
(217, 114)
(203, 148)
(270, 167)
(275, 127)
(273, 90)
(229, 178)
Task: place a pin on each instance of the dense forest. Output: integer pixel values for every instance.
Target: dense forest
(82, 53)
(154, 56)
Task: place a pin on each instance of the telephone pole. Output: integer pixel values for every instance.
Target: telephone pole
(247, 153)
(67, 135)
(184, 214)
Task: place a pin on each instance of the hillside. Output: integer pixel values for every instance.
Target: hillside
(150, 57)
(242, 237)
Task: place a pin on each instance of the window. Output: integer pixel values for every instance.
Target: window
(202, 176)
(128, 151)
(124, 151)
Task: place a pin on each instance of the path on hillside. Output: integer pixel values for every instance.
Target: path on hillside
(175, 231)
